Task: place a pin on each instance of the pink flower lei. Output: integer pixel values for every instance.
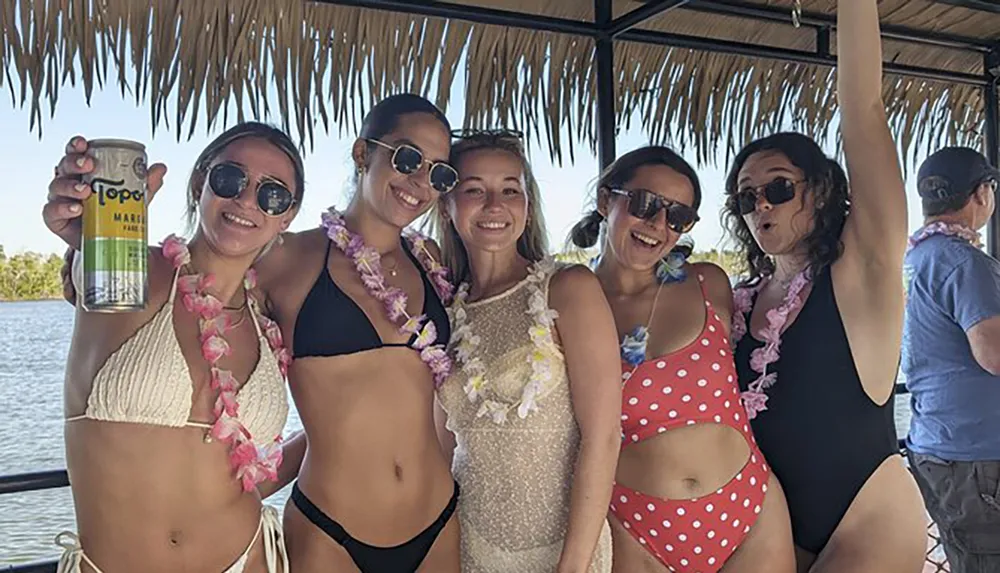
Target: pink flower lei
(252, 463)
(754, 399)
(367, 261)
(942, 228)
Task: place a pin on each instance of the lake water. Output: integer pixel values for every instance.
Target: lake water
(34, 341)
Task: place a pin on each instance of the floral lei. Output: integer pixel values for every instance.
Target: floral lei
(671, 269)
(367, 261)
(465, 342)
(252, 463)
(950, 229)
(754, 399)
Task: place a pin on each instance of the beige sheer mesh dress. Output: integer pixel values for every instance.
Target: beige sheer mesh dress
(508, 404)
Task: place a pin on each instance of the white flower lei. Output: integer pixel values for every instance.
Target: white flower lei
(465, 342)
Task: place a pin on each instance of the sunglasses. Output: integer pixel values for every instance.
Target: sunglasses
(469, 133)
(228, 180)
(407, 160)
(646, 205)
(776, 192)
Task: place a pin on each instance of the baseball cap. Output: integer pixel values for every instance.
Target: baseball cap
(953, 172)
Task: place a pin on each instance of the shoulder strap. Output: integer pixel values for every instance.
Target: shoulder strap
(252, 305)
(701, 285)
(173, 287)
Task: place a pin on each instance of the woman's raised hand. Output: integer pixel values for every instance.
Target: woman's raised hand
(67, 191)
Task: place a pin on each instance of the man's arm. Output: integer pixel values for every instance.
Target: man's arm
(984, 338)
(972, 295)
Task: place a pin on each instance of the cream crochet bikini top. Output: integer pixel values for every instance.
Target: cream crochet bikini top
(147, 381)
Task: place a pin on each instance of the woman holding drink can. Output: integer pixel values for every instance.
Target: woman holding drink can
(361, 305)
(175, 409)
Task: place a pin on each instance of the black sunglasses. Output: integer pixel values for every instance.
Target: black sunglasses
(228, 180)
(646, 205)
(407, 159)
(776, 192)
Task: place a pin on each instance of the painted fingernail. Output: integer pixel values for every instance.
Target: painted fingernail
(80, 161)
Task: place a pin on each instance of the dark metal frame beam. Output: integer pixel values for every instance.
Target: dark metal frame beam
(474, 14)
(741, 9)
(605, 53)
(641, 15)
(785, 54)
(598, 31)
(991, 99)
(653, 8)
(980, 5)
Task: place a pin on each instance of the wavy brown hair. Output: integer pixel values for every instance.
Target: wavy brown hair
(532, 244)
(824, 178)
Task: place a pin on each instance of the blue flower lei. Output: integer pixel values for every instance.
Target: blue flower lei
(671, 269)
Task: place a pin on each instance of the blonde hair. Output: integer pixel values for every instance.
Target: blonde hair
(532, 244)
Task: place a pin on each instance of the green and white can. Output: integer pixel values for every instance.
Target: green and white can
(115, 238)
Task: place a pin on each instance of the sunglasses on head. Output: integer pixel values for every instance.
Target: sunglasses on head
(776, 192)
(469, 133)
(646, 205)
(228, 180)
(407, 160)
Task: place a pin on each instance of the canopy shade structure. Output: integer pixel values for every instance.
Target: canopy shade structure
(703, 75)
(698, 73)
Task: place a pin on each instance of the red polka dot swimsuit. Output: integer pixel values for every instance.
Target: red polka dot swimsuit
(694, 385)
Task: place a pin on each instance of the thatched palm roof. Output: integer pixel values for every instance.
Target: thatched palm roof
(326, 62)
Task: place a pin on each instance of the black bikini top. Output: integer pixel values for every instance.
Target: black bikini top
(330, 323)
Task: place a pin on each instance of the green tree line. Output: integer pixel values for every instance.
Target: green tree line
(728, 260)
(29, 276)
(33, 276)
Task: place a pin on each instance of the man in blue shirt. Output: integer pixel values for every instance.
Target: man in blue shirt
(951, 358)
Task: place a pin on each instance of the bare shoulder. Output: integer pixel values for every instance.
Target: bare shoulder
(161, 274)
(717, 285)
(575, 286)
(286, 254)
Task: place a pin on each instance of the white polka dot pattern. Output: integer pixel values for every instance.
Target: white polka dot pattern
(695, 535)
(694, 385)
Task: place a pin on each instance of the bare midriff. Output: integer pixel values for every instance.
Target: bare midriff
(683, 463)
(373, 464)
(158, 499)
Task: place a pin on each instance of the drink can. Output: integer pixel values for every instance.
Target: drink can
(115, 238)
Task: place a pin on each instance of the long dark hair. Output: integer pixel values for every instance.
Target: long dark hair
(244, 130)
(824, 178)
(586, 232)
(532, 244)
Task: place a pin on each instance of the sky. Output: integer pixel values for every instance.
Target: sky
(27, 163)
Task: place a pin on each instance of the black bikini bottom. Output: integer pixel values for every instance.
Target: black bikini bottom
(403, 558)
